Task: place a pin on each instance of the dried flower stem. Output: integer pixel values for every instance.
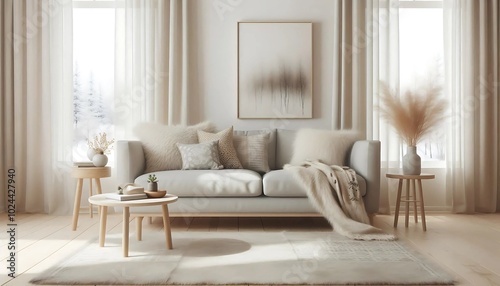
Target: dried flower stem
(413, 115)
(100, 143)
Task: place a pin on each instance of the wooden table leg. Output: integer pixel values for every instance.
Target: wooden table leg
(422, 211)
(126, 218)
(138, 229)
(99, 191)
(76, 207)
(103, 220)
(166, 226)
(398, 202)
(407, 203)
(98, 185)
(91, 211)
(415, 212)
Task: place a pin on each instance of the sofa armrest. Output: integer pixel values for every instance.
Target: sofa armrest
(365, 160)
(130, 161)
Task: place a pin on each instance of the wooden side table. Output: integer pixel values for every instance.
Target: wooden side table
(90, 173)
(410, 181)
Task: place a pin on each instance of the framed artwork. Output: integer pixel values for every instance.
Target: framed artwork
(274, 70)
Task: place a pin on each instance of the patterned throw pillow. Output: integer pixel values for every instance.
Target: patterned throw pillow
(252, 151)
(227, 153)
(203, 156)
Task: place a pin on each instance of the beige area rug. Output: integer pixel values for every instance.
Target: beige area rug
(246, 258)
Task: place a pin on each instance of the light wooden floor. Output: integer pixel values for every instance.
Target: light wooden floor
(467, 246)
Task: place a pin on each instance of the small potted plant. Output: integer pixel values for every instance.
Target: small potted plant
(152, 183)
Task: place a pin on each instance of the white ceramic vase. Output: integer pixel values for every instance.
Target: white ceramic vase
(100, 160)
(411, 162)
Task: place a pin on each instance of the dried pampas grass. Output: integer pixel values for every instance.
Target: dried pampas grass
(415, 114)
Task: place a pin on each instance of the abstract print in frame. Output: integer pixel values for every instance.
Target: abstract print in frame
(274, 70)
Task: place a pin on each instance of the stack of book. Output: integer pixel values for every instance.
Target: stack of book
(130, 191)
(119, 197)
(83, 164)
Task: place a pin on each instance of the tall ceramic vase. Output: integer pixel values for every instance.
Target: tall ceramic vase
(411, 161)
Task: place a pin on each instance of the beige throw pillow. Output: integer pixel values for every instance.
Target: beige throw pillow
(271, 143)
(159, 143)
(252, 151)
(227, 153)
(328, 146)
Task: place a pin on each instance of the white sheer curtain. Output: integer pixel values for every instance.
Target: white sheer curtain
(36, 106)
(472, 81)
(366, 51)
(150, 63)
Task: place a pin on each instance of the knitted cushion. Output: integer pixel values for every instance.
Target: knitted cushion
(227, 153)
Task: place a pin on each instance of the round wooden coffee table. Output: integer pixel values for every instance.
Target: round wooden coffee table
(103, 202)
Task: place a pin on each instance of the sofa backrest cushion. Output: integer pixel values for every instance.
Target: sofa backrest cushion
(284, 146)
(328, 146)
(271, 146)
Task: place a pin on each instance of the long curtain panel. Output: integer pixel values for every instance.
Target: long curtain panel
(366, 51)
(36, 105)
(151, 64)
(473, 83)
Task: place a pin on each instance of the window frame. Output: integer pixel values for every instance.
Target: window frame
(422, 4)
(97, 4)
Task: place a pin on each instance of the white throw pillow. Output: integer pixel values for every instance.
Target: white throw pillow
(252, 151)
(202, 156)
(327, 146)
(159, 143)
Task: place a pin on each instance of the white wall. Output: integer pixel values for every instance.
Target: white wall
(214, 57)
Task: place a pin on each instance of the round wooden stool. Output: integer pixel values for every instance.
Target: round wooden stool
(90, 173)
(410, 181)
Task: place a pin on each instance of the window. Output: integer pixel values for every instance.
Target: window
(422, 60)
(93, 72)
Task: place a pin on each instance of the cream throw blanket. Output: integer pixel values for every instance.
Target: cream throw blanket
(334, 192)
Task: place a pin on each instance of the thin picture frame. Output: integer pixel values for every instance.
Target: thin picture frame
(275, 64)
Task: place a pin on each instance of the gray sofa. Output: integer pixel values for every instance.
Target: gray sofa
(240, 192)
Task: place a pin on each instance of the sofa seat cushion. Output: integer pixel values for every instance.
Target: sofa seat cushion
(281, 183)
(208, 183)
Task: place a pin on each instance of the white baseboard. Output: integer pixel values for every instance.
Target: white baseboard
(428, 209)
